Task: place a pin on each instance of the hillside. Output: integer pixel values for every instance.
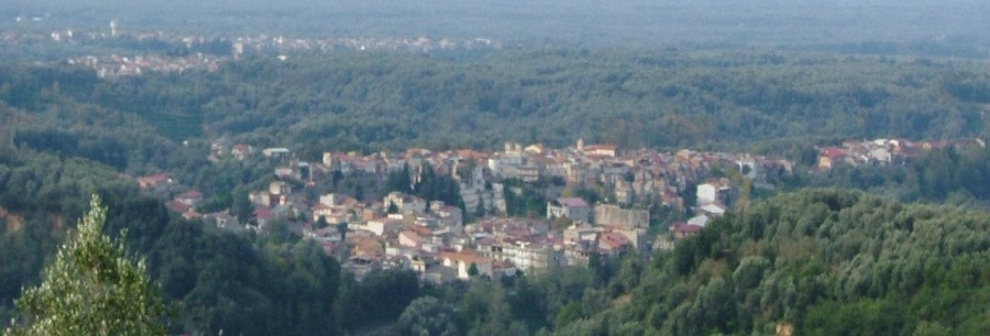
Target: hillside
(818, 262)
(633, 98)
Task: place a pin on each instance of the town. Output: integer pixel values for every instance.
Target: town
(595, 200)
(165, 52)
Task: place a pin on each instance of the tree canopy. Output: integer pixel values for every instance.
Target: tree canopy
(93, 288)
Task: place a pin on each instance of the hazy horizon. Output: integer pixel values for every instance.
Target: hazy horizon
(579, 22)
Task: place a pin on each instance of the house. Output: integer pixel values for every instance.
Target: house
(241, 151)
(712, 210)
(699, 220)
(683, 230)
(410, 238)
(292, 170)
(153, 181)
(263, 216)
(451, 217)
(262, 198)
(405, 203)
(370, 248)
(331, 214)
(581, 232)
(279, 188)
(277, 153)
(503, 269)
(462, 261)
(706, 193)
(330, 199)
(177, 206)
(880, 155)
(637, 237)
(573, 208)
(612, 243)
(601, 150)
(385, 225)
(714, 191)
(829, 156)
(625, 193)
(190, 198)
(223, 220)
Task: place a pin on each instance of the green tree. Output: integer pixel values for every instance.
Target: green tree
(92, 288)
(241, 205)
(428, 316)
(321, 223)
(479, 211)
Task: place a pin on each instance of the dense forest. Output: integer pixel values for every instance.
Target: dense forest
(373, 101)
(218, 280)
(819, 261)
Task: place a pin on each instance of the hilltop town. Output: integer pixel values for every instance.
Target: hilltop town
(590, 201)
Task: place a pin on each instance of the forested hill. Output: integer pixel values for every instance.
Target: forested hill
(653, 98)
(821, 262)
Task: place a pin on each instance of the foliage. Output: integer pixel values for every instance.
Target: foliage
(716, 98)
(93, 288)
(821, 261)
(952, 175)
(523, 200)
(428, 316)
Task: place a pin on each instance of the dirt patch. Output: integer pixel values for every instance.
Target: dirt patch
(622, 300)
(11, 222)
(58, 223)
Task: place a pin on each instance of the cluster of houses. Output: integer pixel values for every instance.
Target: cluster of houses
(632, 178)
(432, 239)
(441, 241)
(712, 198)
(882, 151)
(118, 65)
(122, 65)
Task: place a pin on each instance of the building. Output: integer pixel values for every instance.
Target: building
(608, 214)
(712, 192)
(276, 153)
(528, 255)
(190, 198)
(683, 230)
(279, 188)
(405, 203)
(573, 208)
(462, 261)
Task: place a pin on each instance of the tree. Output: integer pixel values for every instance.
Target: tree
(428, 316)
(321, 222)
(92, 288)
(342, 229)
(479, 211)
(472, 270)
(241, 205)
